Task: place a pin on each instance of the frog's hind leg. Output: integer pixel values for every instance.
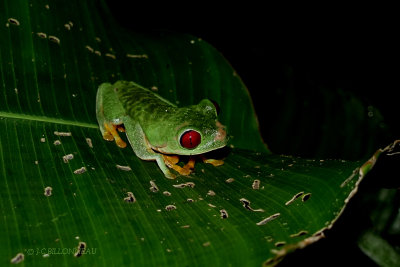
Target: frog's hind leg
(108, 111)
(111, 134)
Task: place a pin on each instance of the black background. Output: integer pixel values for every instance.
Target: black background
(354, 48)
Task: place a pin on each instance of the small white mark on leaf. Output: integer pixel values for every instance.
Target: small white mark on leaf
(179, 185)
(190, 184)
(48, 191)
(299, 234)
(130, 198)
(296, 196)
(54, 39)
(42, 35)
(97, 52)
(306, 197)
(57, 142)
(268, 219)
(80, 170)
(224, 214)
(153, 187)
(80, 249)
(206, 244)
(136, 56)
(98, 39)
(62, 133)
(211, 205)
(18, 258)
(47, 7)
(269, 238)
(211, 193)
(123, 168)
(110, 56)
(170, 207)
(14, 21)
(89, 142)
(280, 244)
(42, 139)
(90, 49)
(256, 184)
(67, 158)
(229, 180)
(166, 193)
(246, 205)
(154, 88)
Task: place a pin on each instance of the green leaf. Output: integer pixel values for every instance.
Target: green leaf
(53, 57)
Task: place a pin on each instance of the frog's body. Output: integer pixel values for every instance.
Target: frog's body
(155, 127)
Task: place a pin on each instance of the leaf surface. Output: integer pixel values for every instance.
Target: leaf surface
(53, 57)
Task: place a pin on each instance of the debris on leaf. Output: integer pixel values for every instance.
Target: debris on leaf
(224, 214)
(62, 133)
(68, 157)
(18, 258)
(153, 187)
(80, 170)
(130, 198)
(296, 196)
(81, 249)
(270, 218)
(48, 191)
(123, 168)
(170, 207)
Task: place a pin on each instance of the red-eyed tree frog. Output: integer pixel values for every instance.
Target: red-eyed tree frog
(157, 129)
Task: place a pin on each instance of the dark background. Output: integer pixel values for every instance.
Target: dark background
(302, 51)
(299, 50)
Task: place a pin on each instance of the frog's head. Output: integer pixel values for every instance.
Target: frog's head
(194, 130)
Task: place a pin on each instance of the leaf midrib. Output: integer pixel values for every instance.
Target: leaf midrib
(17, 116)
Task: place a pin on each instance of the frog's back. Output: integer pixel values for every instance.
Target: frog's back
(140, 102)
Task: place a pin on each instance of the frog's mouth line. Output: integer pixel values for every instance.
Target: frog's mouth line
(157, 150)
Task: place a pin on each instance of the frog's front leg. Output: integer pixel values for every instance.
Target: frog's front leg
(141, 147)
(214, 162)
(171, 162)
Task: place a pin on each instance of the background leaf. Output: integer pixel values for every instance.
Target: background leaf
(53, 57)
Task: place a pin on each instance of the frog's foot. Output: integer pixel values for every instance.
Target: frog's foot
(214, 162)
(171, 162)
(190, 164)
(121, 128)
(111, 134)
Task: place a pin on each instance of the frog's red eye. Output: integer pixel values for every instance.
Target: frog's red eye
(190, 139)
